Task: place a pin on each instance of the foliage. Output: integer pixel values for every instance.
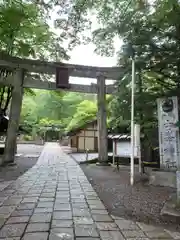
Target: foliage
(54, 110)
(27, 138)
(153, 29)
(86, 111)
(28, 116)
(70, 18)
(49, 125)
(24, 32)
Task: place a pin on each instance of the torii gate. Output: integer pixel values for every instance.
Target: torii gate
(20, 80)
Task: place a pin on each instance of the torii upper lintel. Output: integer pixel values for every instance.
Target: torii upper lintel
(39, 66)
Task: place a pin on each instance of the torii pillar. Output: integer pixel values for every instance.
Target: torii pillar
(102, 121)
(15, 110)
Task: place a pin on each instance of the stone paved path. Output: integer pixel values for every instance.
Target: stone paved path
(55, 201)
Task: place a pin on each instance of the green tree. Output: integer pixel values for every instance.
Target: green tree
(153, 29)
(86, 111)
(69, 17)
(52, 108)
(24, 32)
(29, 118)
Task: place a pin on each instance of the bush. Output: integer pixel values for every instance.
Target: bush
(27, 138)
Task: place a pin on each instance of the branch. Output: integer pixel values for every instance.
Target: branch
(164, 84)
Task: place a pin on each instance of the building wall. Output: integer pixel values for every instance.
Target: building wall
(87, 139)
(89, 143)
(74, 141)
(80, 143)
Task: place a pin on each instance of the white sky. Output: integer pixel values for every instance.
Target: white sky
(85, 55)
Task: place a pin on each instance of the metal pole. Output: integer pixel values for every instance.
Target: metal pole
(114, 152)
(140, 160)
(132, 121)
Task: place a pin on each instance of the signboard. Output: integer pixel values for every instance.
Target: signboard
(178, 184)
(168, 132)
(123, 149)
(62, 78)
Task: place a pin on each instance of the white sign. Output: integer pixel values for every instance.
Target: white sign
(123, 149)
(168, 132)
(137, 141)
(178, 184)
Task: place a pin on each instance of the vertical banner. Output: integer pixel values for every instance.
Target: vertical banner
(137, 131)
(168, 132)
(137, 142)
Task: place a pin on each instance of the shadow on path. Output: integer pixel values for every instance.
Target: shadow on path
(26, 158)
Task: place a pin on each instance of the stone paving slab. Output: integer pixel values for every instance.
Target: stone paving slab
(55, 201)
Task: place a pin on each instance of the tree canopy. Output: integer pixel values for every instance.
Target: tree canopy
(24, 32)
(152, 27)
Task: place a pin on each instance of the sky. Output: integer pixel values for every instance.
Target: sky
(84, 54)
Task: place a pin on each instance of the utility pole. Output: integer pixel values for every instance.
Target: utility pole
(130, 52)
(132, 121)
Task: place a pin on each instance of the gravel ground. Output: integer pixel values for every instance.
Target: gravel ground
(10, 173)
(141, 202)
(29, 149)
(27, 156)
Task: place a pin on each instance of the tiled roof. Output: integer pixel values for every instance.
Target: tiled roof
(120, 136)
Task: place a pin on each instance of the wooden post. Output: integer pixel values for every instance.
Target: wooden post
(102, 124)
(15, 110)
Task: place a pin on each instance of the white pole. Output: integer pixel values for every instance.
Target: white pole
(132, 121)
(140, 160)
(114, 152)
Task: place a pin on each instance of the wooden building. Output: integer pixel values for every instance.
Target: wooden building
(84, 137)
